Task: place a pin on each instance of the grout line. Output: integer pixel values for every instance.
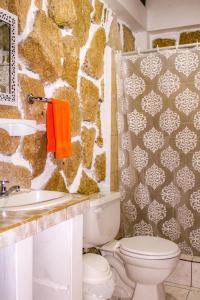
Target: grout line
(191, 275)
(182, 259)
(178, 286)
(187, 295)
(196, 262)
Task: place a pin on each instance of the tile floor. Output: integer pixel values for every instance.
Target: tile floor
(181, 292)
(187, 273)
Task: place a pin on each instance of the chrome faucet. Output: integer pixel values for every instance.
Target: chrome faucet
(3, 188)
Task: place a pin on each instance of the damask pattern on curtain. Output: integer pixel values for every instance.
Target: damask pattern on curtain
(159, 151)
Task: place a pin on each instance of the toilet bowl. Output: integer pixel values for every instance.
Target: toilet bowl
(142, 262)
(148, 262)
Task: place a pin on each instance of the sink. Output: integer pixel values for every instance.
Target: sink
(33, 199)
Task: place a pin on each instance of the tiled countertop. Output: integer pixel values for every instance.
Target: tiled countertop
(16, 226)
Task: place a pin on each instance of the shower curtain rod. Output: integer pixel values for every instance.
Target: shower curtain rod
(197, 45)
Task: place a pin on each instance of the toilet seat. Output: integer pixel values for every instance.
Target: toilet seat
(148, 247)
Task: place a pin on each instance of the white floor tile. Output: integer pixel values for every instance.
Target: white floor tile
(182, 274)
(196, 275)
(174, 293)
(194, 295)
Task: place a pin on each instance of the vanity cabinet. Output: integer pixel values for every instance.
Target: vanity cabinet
(47, 265)
(16, 271)
(57, 262)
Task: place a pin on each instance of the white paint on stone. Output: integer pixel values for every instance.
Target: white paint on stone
(83, 51)
(45, 6)
(29, 22)
(106, 116)
(64, 177)
(20, 106)
(41, 180)
(25, 71)
(17, 159)
(74, 186)
(51, 88)
(108, 23)
(5, 158)
(41, 127)
(89, 125)
(66, 31)
(104, 109)
(76, 139)
(96, 82)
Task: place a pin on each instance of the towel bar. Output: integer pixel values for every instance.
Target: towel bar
(31, 99)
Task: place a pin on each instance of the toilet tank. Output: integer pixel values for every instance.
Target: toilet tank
(101, 220)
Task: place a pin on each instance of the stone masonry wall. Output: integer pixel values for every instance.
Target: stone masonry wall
(185, 37)
(61, 54)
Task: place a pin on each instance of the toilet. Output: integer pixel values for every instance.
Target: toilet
(141, 263)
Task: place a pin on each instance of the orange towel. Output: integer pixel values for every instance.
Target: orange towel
(58, 128)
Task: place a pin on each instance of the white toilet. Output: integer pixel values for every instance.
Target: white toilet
(141, 263)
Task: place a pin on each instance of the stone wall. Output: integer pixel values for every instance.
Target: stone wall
(163, 43)
(61, 54)
(185, 37)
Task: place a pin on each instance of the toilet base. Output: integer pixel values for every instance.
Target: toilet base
(150, 292)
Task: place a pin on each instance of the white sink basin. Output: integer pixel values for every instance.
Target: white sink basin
(33, 199)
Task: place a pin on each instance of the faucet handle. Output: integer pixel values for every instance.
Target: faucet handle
(3, 181)
(3, 188)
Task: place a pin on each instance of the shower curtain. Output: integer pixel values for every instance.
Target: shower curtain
(159, 145)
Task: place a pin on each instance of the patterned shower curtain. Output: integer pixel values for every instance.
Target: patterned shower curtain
(159, 151)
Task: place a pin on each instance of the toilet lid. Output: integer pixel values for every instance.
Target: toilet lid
(96, 269)
(149, 246)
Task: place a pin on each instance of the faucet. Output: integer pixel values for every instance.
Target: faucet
(3, 189)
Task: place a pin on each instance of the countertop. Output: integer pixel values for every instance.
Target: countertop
(16, 226)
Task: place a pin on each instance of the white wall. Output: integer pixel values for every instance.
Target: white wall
(168, 14)
(158, 14)
(132, 12)
(141, 40)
